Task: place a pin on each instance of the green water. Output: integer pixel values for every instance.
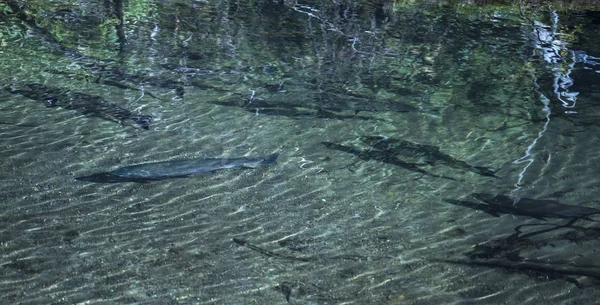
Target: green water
(495, 99)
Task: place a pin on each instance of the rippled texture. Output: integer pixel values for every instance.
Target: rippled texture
(430, 153)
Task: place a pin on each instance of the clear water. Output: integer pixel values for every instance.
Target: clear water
(348, 222)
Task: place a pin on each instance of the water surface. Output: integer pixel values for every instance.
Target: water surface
(470, 99)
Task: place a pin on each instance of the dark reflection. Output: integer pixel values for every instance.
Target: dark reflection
(428, 154)
(85, 103)
(104, 71)
(382, 156)
(120, 27)
(114, 77)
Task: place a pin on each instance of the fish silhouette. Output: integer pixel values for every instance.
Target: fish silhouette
(428, 154)
(382, 156)
(84, 103)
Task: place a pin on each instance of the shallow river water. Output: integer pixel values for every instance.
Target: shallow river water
(428, 153)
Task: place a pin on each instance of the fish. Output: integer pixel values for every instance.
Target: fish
(177, 168)
(321, 106)
(84, 103)
(425, 153)
(292, 111)
(536, 208)
(383, 156)
(342, 102)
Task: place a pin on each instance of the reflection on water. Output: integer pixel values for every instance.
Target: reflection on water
(559, 61)
(383, 113)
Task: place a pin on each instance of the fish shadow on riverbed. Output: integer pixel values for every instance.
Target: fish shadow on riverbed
(395, 151)
(382, 156)
(148, 172)
(537, 254)
(533, 249)
(428, 154)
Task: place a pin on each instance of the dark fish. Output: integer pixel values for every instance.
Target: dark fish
(318, 107)
(297, 111)
(177, 168)
(383, 156)
(288, 110)
(339, 102)
(86, 104)
(536, 208)
(425, 153)
(304, 114)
